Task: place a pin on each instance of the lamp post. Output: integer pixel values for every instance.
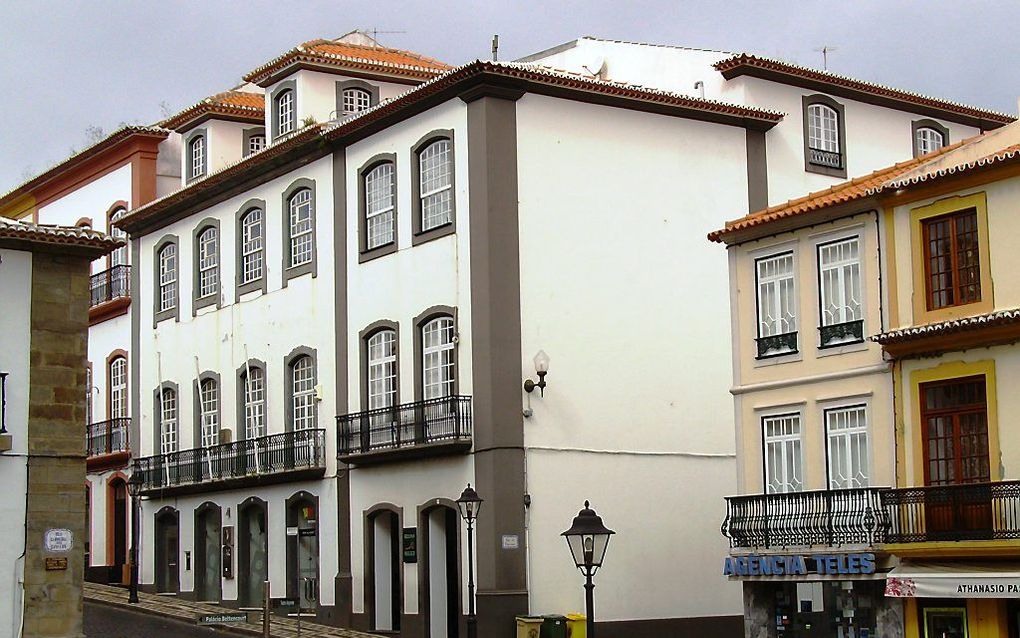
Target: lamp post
(470, 503)
(588, 539)
(134, 486)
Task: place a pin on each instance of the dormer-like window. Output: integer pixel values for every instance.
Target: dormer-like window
(356, 100)
(196, 157)
(256, 143)
(354, 96)
(824, 136)
(285, 112)
(928, 136)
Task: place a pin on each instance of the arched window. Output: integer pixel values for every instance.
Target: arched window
(300, 227)
(167, 421)
(356, 100)
(285, 112)
(209, 398)
(437, 358)
(251, 246)
(929, 140)
(823, 128)
(302, 393)
(118, 257)
(208, 262)
(168, 277)
(117, 388)
(435, 175)
(380, 206)
(196, 157)
(382, 369)
(253, 380)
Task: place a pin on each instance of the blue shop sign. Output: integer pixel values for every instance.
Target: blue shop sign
(800, 565)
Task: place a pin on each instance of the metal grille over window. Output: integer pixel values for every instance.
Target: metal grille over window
(254, 403)
(301, 227)
(209, 392)
(251, 246)
(380, 205)
(823, 135)
(436, 172)
(256, 143)
(839, 266)
(118, 257)
(356, 101)
(438, 358)
(168, 277)
(198, 156)
(168, 421)
(783, 463)
(118, 388)
(848, 447)
(285, 112)
(303, 388)
(952, 261)
(929, 140)
(208, 264)
(777, 308)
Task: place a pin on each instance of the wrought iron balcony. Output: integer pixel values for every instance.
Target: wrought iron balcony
(972, 511)
(264, 460)
(841, 333)
(422, 428)
(112, 283)
(803, 519)
(776, 345)
(107, 437)
(825, 158)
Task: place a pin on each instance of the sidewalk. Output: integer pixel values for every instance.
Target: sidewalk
(188, 611)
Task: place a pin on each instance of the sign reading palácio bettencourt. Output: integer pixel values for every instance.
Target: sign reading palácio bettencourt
(800, 565)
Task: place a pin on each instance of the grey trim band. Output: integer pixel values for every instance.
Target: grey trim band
(418, 236)
(189, 173)
(214, 299)
(809, 167)
(342, 85)
(419, 323)
(274, 123)
(363, 337)
(290, 272)
(197, 412)
(925, 123)
(757, 171)
(134, 365)
(170, 313)
(255, 284)
(288, 384)
(240, 423)
(366, 254)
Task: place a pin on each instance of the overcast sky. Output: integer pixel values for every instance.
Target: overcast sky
(65, 66)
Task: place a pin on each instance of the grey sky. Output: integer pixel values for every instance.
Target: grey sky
(67, 65)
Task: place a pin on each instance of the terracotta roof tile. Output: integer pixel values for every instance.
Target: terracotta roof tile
(234, 105)
(45, 234)
(951, 326)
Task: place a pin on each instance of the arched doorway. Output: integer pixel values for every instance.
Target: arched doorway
(303, 549)
(168, 576)
(253, 551)
(207, 552)
(383, 585)
(116, 527)
(439, 568)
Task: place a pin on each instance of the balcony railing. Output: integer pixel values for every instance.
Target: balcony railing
(804, 519)
(107, 437)
(775, 345)
(110, 284)
(266, 456)
(974, 511)
(841, 333)
(422, 424)
(825, 158)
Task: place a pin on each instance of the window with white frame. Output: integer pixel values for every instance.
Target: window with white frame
(285, 112)
(302, 384)
(209, 396)
(784, 465)
(382, 369)
(167, 421)
(196, 157)
(254, 403)
(356, 101)
(929, 140)
(168, 277)
(251, 246)
(839, 275)
(380, 206)
(118, 257)
(823, 128)
(847, 431)
(777, 303)
(208, 262)
(300, 205)
(256, 143)
(436, 183)
(437, 359)
(118, 388)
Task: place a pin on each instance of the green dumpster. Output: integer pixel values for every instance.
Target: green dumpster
(529, 627)
(554, 626)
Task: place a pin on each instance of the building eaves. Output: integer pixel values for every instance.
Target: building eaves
(231, 105)
(836, 84)
(952, 326)
(46, 237)
(1008, 154)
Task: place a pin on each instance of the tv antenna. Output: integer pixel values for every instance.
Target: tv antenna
(375, 33)
(825, 50)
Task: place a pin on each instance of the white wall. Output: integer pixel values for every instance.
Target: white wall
(316, 95)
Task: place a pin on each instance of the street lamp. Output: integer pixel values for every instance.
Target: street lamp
(134, 486)
(588, 539)
(470, 503)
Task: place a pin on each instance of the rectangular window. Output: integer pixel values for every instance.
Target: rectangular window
(251, 246)
(847, 431)
(777, 305)
(208, 265)
(168, 422)
(256, 143)
(380, 206)
(839, 277)
(783, 462)
(301, 227)
(118, 388)
(168, 277)
(382, 370)
(254, 404)
(954, 416)
(436, 173)
(438, 358)
(303, 393)
(952, 264)
(210, 397)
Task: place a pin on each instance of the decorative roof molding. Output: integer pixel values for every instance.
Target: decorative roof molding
(952, 326)
(242, 106)
(46, 236)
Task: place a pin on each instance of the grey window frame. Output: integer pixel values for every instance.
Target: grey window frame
(288, 371)
(170, 313)
(927, 123)
(157, 421)
(240, 425)
(343, 85)
(364, 253)
(256, 284)
(211, 300)
(420, 321)
(367, 333)
(274, 114)
(197, 428)
(188, 164)
(246, 138)
(818, 98)
(290, 272)
(418, 236)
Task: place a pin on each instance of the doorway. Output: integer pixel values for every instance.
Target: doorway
(440, 572)
(253, 551)
(945, 622)
(303, 549)
(116, 527)
(168, 577)
(207, 552)
(382, 559)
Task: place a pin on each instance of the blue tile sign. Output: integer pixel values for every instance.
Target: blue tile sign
(800, 565)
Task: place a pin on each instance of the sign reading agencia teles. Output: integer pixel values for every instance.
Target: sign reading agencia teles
(800, 565)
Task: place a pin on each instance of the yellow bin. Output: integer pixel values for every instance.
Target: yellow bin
(577, 626)
(529, 626)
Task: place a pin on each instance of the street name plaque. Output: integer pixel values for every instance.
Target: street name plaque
(222, 619)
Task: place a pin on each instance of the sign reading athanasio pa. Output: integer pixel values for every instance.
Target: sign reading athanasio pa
(800, 565)
(222, 619)
(58, 541)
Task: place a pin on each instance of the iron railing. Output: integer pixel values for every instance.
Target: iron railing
(271, 454)
(819, 517)
(110, 284)
(825, 158)
(775, 345)
(3, 402)
(405, 426)
(107, 437)
(971, 511)
(840, 333)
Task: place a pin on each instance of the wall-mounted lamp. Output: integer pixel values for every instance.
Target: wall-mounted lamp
(541, 369)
